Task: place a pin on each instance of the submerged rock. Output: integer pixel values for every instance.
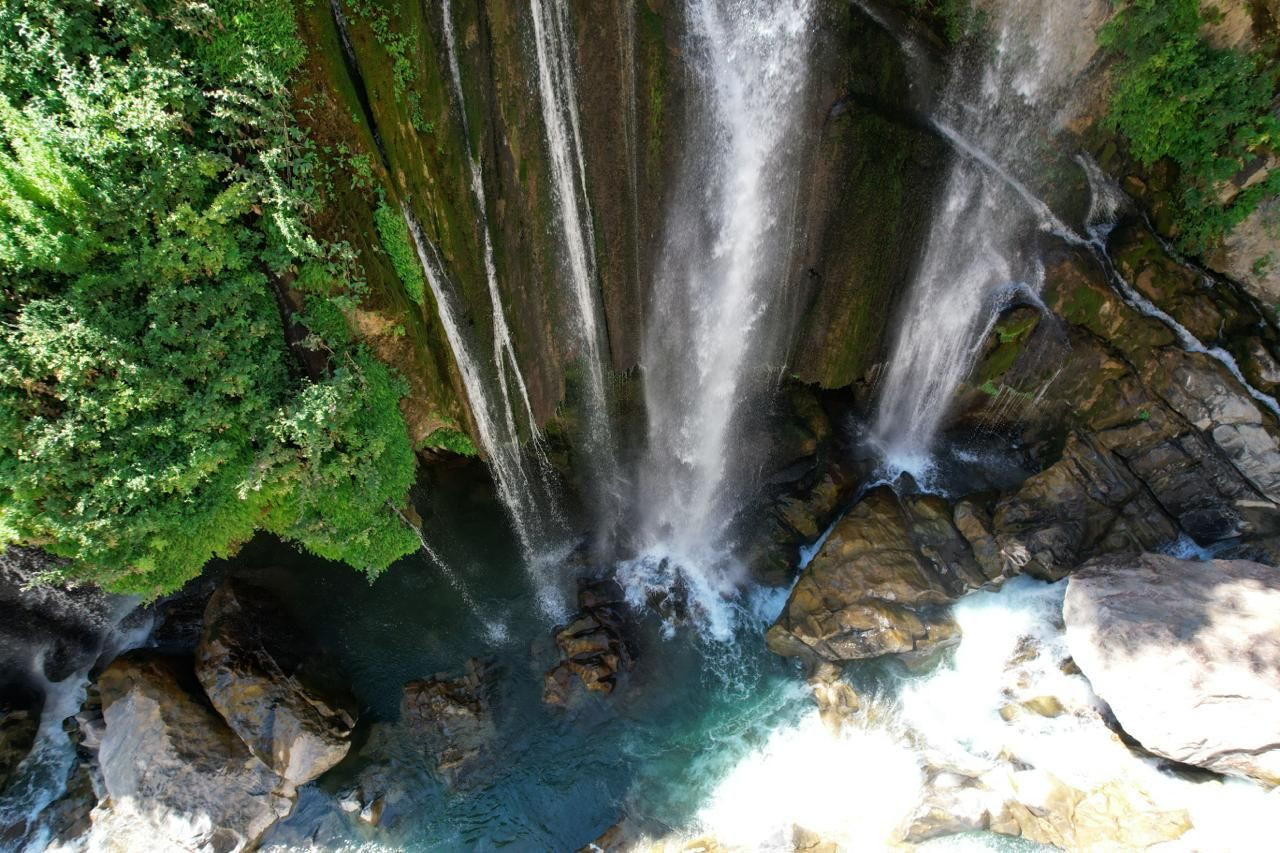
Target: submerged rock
(836, 699)
(593, 646)
(264, 677)
(1187, 654)
(451, 718)
(171, 764)
(879, 585)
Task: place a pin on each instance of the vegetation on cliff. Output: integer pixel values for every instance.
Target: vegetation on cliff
(161, 397)
(1209, 110)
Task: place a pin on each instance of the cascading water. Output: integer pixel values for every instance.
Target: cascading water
(995, 109)
(713, 327)
(526, 497)
(504, 354)
(557, 88)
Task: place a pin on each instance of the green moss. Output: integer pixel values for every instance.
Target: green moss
(1018, 331)
(450, 440)
(396, 241)
(1083, 307)
(653, 38)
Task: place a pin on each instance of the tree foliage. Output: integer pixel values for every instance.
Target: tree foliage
(1209, 110)
(153, 191)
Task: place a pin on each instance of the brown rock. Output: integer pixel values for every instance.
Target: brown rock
(593, 646)
(264, 677)
(869, 591)
(452, 719)
(1085, 504)
(837, 700)
(168, 757)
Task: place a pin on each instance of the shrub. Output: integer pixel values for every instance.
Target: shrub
(1208, 110)
(153, 191)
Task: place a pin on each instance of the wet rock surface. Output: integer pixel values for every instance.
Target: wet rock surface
(1187, 654)
(172, 765)
(1142, 439)
(265, 678)
(63, 628)
(451, 719)
(594, 646)
(879, 585)
(18, 727)
(1085, 504)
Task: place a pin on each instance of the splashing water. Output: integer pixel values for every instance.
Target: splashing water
(42, 776)
(994, 111)
(861, 786)
(712, 324)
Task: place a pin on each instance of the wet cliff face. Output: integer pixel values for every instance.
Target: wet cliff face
(394, 127)
(872, 173)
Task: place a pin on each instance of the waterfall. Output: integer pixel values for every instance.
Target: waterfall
(525, 496)
(557, 89)
(999, 108)
(713, 322)
(504, 354)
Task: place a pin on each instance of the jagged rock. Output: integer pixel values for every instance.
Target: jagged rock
(63, 628)
(974, 523)
(1087, 503)
(170, 761)
(593, 645)
(1204, 392)
(837, 700)
(1187, 654)
(265, 678)
(869, 591)
(1174, 287)
(938, 541)
(799, 499)
(1180, 424)
(1112, 817)
(18, 728)
(452, 719)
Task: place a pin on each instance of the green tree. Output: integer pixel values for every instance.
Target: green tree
(154, 190)
(1208, 110)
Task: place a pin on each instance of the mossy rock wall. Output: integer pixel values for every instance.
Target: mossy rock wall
(399, 331)
(867, 180)
(867, 199)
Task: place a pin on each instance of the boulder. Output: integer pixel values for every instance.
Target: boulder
(1187, 655)
(170, 761)
(451, 718)
(266, 680)
(872, 591)
(1112, 817)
